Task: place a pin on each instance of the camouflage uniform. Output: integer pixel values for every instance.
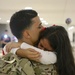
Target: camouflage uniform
(41, 69)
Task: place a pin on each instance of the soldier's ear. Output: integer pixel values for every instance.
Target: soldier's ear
(26, 34)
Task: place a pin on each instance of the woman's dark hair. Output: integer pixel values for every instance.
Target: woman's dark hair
(59, 40)
(20, 21)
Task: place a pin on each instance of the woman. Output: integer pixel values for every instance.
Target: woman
(58, 39)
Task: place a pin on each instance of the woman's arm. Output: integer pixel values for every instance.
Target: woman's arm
(47, 56)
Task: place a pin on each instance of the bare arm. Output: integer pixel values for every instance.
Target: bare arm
(29, 53)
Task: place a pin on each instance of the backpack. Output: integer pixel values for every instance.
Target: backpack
(11, 64)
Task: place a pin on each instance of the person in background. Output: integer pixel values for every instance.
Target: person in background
(5, 38)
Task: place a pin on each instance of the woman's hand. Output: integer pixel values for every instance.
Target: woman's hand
(29, 53)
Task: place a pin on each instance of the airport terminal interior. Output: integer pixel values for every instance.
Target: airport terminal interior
(51, 12)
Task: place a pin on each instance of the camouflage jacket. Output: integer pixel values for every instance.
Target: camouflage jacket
(41, 69)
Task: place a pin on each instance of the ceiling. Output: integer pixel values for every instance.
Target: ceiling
(53, 11)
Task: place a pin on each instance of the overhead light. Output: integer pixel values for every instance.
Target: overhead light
(41, 19)
(5, 36)
(70, 27)
(44, 22)
(28, 7)
(0, 18)
(8, 21)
